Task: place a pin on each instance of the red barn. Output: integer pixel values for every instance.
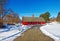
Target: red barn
(33, 20)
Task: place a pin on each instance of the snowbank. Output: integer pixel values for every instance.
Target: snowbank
(2, 30)
(13, 32)
(6, 35)
(52, 30)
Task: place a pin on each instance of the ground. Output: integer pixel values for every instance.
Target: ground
(33, 34)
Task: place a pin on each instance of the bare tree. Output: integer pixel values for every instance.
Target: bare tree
(13, 17)
(2, 11)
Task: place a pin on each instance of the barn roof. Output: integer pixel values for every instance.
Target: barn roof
(33, 19)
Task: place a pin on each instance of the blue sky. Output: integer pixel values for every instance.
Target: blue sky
(36, 7)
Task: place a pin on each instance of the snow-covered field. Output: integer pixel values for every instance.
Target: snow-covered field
(52, 30)
(12, 32)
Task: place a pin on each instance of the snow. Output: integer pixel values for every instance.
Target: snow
(20, 17)
(7, 34)
(52, 30)
(12, 32)
(1, 30)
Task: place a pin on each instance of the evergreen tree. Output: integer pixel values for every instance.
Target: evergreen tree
(46, 16)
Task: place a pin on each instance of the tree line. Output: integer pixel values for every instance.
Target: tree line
(47, 15)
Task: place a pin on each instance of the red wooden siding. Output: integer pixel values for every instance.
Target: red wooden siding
(32, 23)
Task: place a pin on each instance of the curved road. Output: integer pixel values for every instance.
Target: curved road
(33, 34)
